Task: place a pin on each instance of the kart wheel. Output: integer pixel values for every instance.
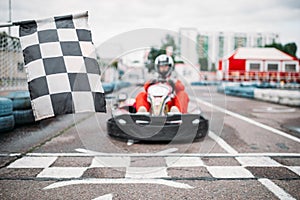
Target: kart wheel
(202, 128)
(114, 130)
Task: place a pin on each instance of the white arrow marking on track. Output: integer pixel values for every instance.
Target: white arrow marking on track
(163, 152)
(119, 181)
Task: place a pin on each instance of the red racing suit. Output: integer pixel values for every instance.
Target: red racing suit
(180, 100)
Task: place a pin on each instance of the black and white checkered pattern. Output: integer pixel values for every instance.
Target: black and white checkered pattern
(62, 70)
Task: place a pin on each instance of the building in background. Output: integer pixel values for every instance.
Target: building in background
(188, 45)
(259, 64)
(211, 46)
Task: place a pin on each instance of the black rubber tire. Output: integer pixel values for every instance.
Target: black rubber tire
(21, 100)
(6, 106)
(7, 123)
(23, 117)
(21, 104)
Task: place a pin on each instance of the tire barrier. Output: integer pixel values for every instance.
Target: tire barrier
(235, 89)
(20, 99)
(285, 97)
(7, 121)
(6, 106)
(115, 85)
(247, 92)
(201, 83)
(23, 117)
(20, 110)
(108, 88)
(265, 91)
(224, 85)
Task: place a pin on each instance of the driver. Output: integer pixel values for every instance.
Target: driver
(164, 65)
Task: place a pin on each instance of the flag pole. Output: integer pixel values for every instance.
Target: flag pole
(7, 25)
(9, 15)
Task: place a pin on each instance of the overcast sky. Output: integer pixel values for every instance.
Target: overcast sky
(114, 17)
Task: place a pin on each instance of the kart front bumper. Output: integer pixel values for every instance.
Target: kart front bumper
(177, 127)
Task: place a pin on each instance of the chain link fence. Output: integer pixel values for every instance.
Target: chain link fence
(12, 71)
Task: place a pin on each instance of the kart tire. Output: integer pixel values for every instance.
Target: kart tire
(114, 130)
(7, 123)
(23, 117)
(6, 106)
(202, 129)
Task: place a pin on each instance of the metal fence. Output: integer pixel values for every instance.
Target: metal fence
(12, 71)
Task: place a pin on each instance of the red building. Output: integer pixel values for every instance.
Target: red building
(260, 64)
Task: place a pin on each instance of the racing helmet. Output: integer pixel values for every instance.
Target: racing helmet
(164, 60)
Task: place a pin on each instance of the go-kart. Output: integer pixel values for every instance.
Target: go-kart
(158, 124)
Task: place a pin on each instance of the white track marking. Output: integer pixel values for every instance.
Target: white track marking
(62, 172)
(279, 192)
(110, 162)
(170, 150)
(295, 169)
(146, 172)
(120, 181)
(222, 143)
(32, 162)
(86, 151)
(10, 154)
(183, 161)
(163, 154)
(104, 197)
(229, 172)
(166, 151)
(251, 121)
(258, 162)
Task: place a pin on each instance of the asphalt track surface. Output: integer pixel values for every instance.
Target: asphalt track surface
(252, 151)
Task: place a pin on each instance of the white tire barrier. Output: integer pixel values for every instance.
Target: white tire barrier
(285, 97)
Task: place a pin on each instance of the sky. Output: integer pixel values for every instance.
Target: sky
(108, 19)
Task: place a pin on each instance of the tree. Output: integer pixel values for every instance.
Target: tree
(114, 64)
(168, 41)
(289, 48)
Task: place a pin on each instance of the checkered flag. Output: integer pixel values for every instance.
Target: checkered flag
(62, 70)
